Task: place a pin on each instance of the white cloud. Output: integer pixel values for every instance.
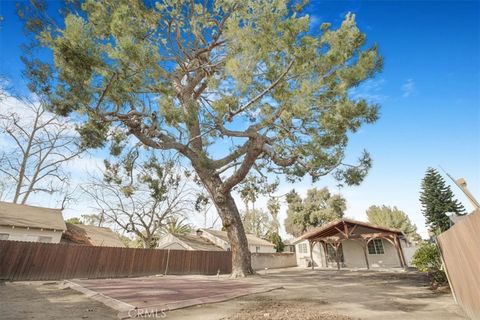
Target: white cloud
(315, 21)
(408, 88)
(370, 90)
(85, 164)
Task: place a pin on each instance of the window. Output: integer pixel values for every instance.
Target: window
(257, 249)
(302, 248)
(375, 247)
(4, 236)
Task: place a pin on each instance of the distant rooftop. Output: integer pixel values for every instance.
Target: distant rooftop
(198, 243)
(91, 235)
(20, 215)
(252, 240)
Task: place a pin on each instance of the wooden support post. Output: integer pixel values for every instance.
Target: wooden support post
(401, 253)
(337, 258)
(405, 265)
(325, 253)
(364, 245)
(396, 245)
(312, 243)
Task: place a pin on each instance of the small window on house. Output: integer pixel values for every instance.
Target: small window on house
(257, 249)
(302, 248)
(4, 236)
(375, 247)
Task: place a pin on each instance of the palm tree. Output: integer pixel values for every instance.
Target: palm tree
(176, 225)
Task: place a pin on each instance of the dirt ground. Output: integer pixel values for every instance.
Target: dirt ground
(355, 294)
(267, 308)
(306, 295)
(45, 300)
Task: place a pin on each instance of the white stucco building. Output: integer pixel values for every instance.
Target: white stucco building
(353, 244)
(220, 238)
(187, 242)
(212, 240)
(29, 223)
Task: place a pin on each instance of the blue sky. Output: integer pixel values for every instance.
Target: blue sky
(429, 91)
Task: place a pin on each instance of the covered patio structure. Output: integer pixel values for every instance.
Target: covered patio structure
(331, 236)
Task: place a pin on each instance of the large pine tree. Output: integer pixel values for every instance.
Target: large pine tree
(437, 199)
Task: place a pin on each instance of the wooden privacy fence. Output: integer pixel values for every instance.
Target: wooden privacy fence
(49, 261)
(460, 247)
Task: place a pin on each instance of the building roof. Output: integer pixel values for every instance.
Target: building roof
(198, 243)
(331, 228)
(20, 215)
(91, 236)
(252, 240)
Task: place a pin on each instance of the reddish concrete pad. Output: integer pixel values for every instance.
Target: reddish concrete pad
(143, 292)
(169, 293)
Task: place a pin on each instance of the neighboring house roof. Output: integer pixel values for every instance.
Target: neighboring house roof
(332, 228)
(252, 240)
(91, 236)
(197, 243)
(20, 215)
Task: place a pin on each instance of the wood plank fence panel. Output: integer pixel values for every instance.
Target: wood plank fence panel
(460, 246)
(49, 261)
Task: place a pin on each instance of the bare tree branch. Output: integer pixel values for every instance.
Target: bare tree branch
(139, 195)
(41, 143)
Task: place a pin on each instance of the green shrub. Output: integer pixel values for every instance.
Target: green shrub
(277, 241)
(427, 259)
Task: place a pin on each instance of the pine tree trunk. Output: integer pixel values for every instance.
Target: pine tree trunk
(241, 256)
(232, 222)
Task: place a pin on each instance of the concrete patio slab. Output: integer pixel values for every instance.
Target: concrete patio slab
(134, 297)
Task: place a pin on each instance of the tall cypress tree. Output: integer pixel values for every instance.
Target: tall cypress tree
(437, 199)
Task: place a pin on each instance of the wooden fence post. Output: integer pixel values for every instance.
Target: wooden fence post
(168, 258)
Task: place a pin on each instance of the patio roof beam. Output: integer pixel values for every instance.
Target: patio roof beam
(345, 234)
(352, 230)
(366, 236)
(332, 228)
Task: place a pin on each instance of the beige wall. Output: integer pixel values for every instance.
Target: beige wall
(262, 249)
(387, 260)
(260, 261)
(353, 256)
(169, 242)
(174, 246)
(24, 234)
(408, 251)
(303, 258)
